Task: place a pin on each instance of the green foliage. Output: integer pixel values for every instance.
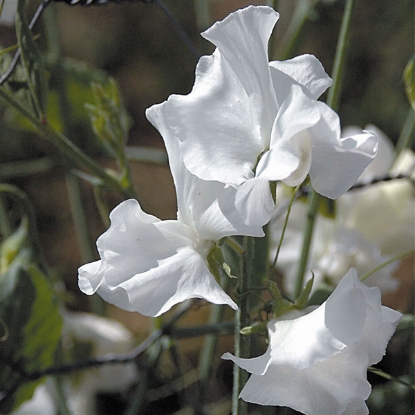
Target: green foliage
(78, 78)
(31, 327)
(109, 120)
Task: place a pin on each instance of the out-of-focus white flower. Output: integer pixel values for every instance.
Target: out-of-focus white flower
(98, 336)
(8, 12)
(348, 248)
(42, 403)
(384, 213)
(316, 363)
(86, 335)
(371, 225)
(385, 155)
(249, 121)
(148, 265)
(334, 250)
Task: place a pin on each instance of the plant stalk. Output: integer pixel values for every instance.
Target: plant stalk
(333, 101)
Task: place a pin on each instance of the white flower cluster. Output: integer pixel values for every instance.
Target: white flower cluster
(371, 225)
(246, 124)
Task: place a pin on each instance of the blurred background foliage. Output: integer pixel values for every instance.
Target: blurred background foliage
(136, 44)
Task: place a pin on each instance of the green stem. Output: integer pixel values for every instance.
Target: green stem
(216, 329)
(314, 202)
(26, 168)
(272, 41)
(232, 243)
(333, 97)
(284, 228)
(87, 250)
(79, 217)
(80, 220)
(333, 100)
(384, 264)
(385, 375)
(209, 347)
(295, 29)
(242, 343)
(137, 403)
(202, 15)
(60, 396)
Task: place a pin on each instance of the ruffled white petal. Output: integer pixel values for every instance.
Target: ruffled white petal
(206, 206)
(316, 364)
(289, 157)
(305, 70)
(242, 39)
(385, 155)
(219, 135)
(148, 265)
(323, 389)
(254, 203)
(224, 124)
(338, 162)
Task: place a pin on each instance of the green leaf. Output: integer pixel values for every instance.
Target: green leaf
(31, 329)
(32, 61)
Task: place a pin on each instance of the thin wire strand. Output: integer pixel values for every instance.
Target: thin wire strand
(183, 35)
(26, 376)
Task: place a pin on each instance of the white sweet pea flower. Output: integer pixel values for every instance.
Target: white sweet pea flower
(371, 225)
(384, 213)
(316, 363)
(248, 121)
(348, 248)
(148, 265)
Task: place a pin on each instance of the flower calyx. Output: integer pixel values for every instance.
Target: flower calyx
(283, 306)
